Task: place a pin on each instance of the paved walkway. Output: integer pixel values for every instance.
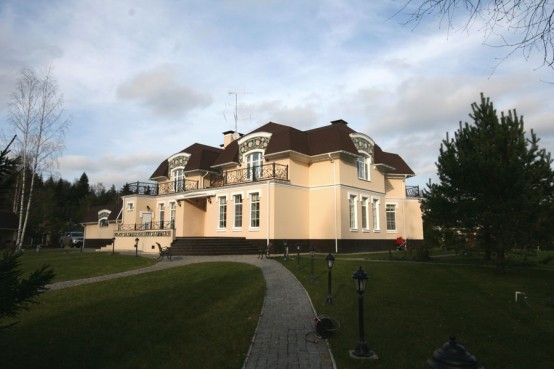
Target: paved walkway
(287, 315)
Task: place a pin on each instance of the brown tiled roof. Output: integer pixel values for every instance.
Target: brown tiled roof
(327, 139)
(392, 160)
(202, 157)
(91, 216)
(8, 220)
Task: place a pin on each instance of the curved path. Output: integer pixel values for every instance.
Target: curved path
(287, 315)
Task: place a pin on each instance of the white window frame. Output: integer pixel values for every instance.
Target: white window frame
(222, 212)
(172, 210)
(130, 206)
(375, 205)
(103, 222)
(363, 164)
(238, 206)
(388, 214)
(365, 213)
(253, 167)
(161, 215)
(255, 213)
(178, 179)
(353, 211)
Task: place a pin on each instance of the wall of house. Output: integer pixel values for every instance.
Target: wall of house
(291, 216)
(192, 219)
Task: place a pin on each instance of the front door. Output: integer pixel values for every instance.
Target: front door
(146, 221)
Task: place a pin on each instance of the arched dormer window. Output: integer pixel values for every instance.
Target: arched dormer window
(178, 178)
(254, 165)
(177, 164)
(365, 145)
(103, 218)
(363, 163)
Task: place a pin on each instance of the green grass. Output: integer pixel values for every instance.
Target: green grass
(412, 308)
(73, 264)
(196, 316)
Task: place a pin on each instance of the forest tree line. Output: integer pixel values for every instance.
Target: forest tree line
(59, 206)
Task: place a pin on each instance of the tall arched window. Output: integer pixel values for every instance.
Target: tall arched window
(253, 166)
(363, 166)
(178, 179)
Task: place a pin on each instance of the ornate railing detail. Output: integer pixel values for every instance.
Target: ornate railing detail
(177, 186)
(412, 191)
(142, 188)
(258, 173)
(148, 226)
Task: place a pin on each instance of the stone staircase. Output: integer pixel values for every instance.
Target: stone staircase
(212, 246)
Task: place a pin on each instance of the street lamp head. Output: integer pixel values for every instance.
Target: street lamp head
(360, 280)
(312, 251)
(113, 240)
(297, 247)
(330, 260)
(136, 241)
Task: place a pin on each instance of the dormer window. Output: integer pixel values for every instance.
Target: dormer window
(253, 166)
(363, 167)
(178, 176)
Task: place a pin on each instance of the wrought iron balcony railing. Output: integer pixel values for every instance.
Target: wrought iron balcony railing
(148, 226)
(154, 189)
(256, 173)
(412, 191)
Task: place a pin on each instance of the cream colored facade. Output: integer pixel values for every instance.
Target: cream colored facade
(344, 200)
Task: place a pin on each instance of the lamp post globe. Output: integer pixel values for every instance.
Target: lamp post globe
(136, 246)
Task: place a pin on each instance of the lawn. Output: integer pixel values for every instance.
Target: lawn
(71, 264)
(196, 316)
(412, 308)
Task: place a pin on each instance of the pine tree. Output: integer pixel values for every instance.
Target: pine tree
(495, 185)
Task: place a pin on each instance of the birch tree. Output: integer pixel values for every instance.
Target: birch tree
(36, 113)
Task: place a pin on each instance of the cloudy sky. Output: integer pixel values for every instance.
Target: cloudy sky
(144, 79)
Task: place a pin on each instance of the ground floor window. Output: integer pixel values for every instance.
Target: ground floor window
(365, 217)
(172, 215)
(255, 210)
(391, 217)
(161, 215)
(353, 211)
(238, 211)
(222, 200)
(375, 211)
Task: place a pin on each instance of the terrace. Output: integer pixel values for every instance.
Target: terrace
(225, 178)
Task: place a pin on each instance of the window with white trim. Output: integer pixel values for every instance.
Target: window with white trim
(363, 167)
(178, 176)
(352, 199)
(253, 166)
(390, 210)
(130, 206)
(238, 211)
(254, 210)
(365, 213)
(375, 211)
(103, 222)
(161, 215)
(172, 215)
(222, 200)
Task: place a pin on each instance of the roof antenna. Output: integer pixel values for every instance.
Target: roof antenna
(236, 113)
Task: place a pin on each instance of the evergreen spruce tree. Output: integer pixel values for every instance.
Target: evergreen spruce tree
(496, 185)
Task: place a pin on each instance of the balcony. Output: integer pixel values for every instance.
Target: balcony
(258, 173)
(164, 188)
(148, 226)
(412, 191)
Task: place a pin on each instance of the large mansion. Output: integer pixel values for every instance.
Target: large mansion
(329, 188)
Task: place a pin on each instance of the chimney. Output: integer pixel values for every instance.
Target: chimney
(230, 136)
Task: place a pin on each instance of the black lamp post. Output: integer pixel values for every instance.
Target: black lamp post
(298, 257)
(286, 252)
(312, 255)
(113, 245)
(330, 260)
(136, 246)
(362, 350)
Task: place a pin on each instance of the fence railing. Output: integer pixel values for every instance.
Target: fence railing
(147, 226)
(412, 191)
(256, 173)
